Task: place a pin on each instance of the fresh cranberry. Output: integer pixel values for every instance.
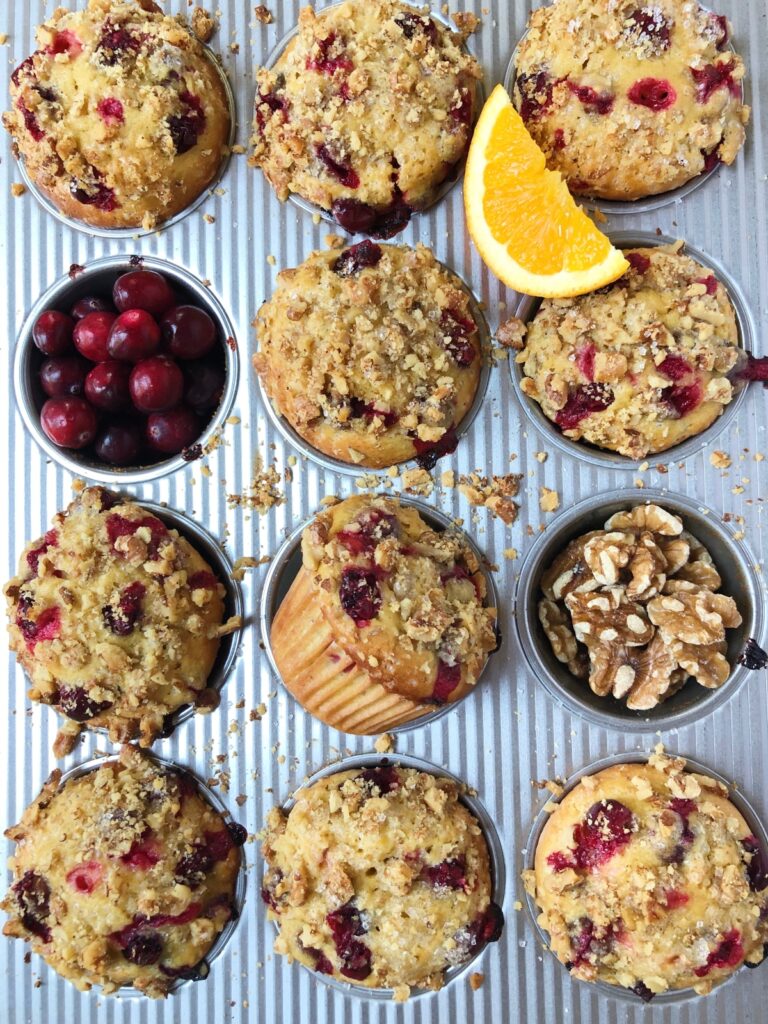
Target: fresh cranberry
(710, 283)
(274, 101)
(582, 402)
(675, 898)
(357, 258)
(729, 952)
(654, 93)
(712, 77)
(119, 443)
(384, 777)
(638, 261)
(757, 868)
(322, 964)
(606, 828)
(52, 333)
(122, 618)
(202, 580)
(755, 368)
(367, 530)
(684, 809)
(719, 23)
(461, 114)
(535, 95)
(115, 43)
(560, 861)
(171, 432)
(188, 332)
(674, 367)
(450, 874)
(47, 626)
(33, 895)
(651, 25)
(447, 679)
(30, 121)
(368, 411)
(585, 361)
(63, 375)
(487, 927)
(186, 972)
(75, 703)
(68, 422)
(428, 452)
(683, 398)
(118, 526)
(204, 385)
(558, 140)
(411, 24)
(26, 68)
(193, 867)
(156, 384)
(91, 334)
(143, 289)
(85, 877)
(106, 386)
(50, 540)
(141, 924)
(458, 329)
(90, 304)
(361, 218)
(186, 128)
(324, 63)
(346, 924)
(342, 172)
(95, 194)
(144, 852)
(111, 111)
(359, 594)
(641, 989)
(134, 336)
(144, 949)
(593, 102)
(711, 160)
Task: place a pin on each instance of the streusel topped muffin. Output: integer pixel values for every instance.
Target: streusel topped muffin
(380, 876)
(120, 116)
(629, 99)
(638, 366)
(124, 875)
(386, 619)
(115, 618)
(372, 354)
(366, 113)
(649, 878)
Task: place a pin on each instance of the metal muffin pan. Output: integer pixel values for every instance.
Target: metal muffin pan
(752, 818)
(507, 734)
(294, 438)
(98, 277)
(496, 859)
(734, 562)
(209, 795)
(748, 335)
(288, 561)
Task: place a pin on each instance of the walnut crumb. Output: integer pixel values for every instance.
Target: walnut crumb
(510, 553)
(203, 25)
(549, 500)
(209, 218)
(541, 456)
(17, 189)
(418, 481)
(494, 493)
(511, 333)
(334, 241)
(384, 744)
(476, 980)
(720, 459)
(263, 14)
(466, 22)
(3, 38)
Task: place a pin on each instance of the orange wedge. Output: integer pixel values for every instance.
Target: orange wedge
(522, 218)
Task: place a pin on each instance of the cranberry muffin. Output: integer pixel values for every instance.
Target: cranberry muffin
(124, 875)
(629, 100)
(366, 113)
(379, 876)
(648, 878)
(372, 354)
(116, 619)
(386, 619)
(120, 116)
(641, 365)
(635, 609)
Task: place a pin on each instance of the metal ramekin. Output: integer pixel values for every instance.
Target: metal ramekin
(443, 189)
(734, 562)
(747, 332)
(497, 863)
(211, 797)
(614, 991)
(138, 231)
(287, 562)
(647, 203)
(328, 462)
(98, 277)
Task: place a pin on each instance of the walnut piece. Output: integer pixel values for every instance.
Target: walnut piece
(647, 517)
(694, 616)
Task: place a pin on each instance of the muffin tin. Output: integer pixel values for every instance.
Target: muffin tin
(511, 731)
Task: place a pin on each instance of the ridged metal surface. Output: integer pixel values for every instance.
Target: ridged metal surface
(504, 735)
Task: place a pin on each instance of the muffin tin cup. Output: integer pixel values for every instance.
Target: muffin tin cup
(602, 458)
(529, 853)
(441, 191)
(287, 562)
(139, 232)
(646, 204)
(734, 562)
(495, 856)
(212, 798)
(334, 465)
(99, 276)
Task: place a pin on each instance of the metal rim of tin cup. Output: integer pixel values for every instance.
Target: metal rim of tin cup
(139, 232)
(292, 436)
(286, 564)
(446, 186)
(733, 560)
(497, 866)
(750, 815)
(646, 204)
(98, 276)
(603, 458)
(212, 798)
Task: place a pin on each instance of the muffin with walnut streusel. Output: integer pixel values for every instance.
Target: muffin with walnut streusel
(380, 876)
(385, 621)
(630, 99)
(371, 354)
(120, 116)
(366, 113)
(124, 875)
(116, 619)
(649, 878)
(641, 365)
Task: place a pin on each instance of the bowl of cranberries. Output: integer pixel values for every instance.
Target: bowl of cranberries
(125, 369)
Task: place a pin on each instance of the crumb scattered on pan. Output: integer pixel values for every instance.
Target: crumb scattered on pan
(334, 241)
(510, 553)
(417, 481)
(384, 744)
(262, 493)
(476, 980)
(720, 459)
(17, 189)
(541, 456)
(271, 260)
(3, 38)
(467, 22)
(247, 562)
(209, 218)
(448, 478)
(238, 150)
(549, 500)
(256, 714)
(517, 905)
(203, 25)
(511, 333)
(494, 493)
(263, 14)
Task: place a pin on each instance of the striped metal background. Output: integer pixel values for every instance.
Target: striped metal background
(501, 737)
